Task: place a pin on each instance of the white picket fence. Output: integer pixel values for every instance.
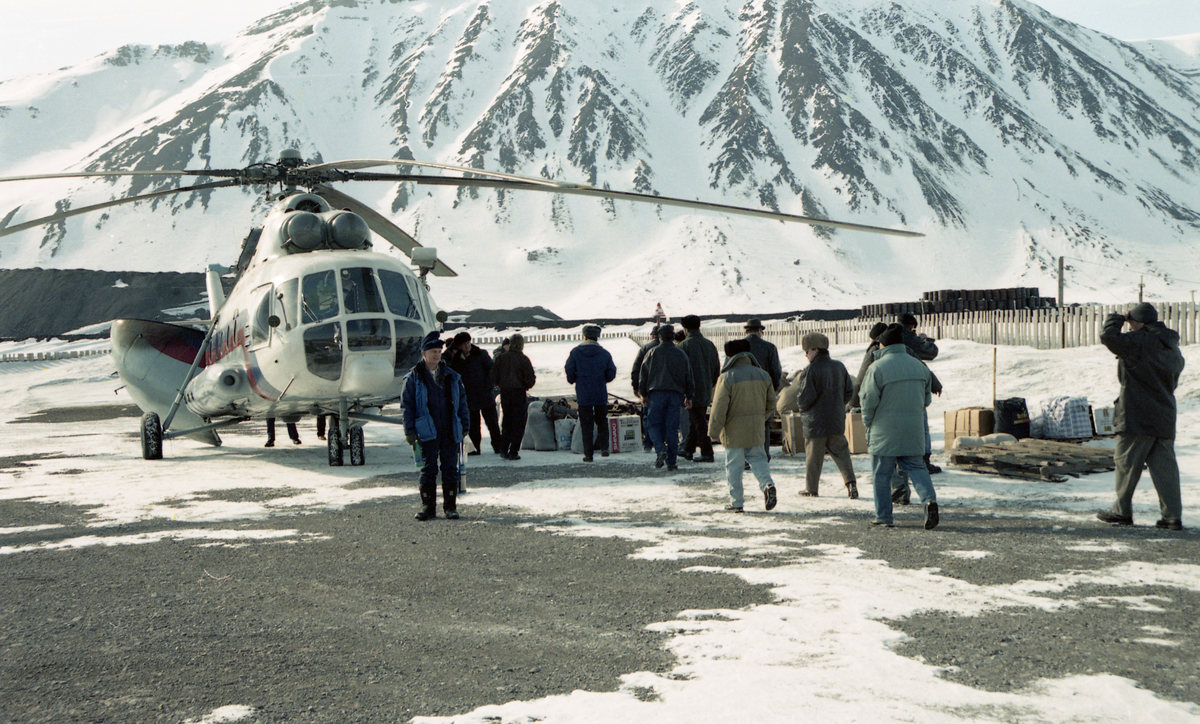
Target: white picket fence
(1039, 328)
(42, 356)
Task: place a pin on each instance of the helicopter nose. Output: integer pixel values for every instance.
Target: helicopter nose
(367, 375)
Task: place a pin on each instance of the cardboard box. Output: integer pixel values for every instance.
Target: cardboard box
(793, 434)
(856, 433)
(625, 434)
(1102, 419)
(973, 421)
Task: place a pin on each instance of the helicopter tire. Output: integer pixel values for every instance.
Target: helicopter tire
(334, 439)
(152, 437)
(357, 446)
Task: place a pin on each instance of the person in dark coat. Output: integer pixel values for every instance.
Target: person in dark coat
(706, 369)
(666, 384)
(825, 388)
(513, 373)
(435, 416)
(924, 348)
(590, 368)
(635, 374)
(474, 365)
(767, 355)
(1144, 418)
(293, 432)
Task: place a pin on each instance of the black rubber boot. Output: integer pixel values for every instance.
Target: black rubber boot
(450, 501)
(901, 492)
(933, 469)
(428, 504)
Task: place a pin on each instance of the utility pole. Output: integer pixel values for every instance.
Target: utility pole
(1141, 287)
(1060, 280)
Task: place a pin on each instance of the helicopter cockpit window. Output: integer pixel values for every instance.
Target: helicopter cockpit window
(363, 335)
(260, 326)
(323, 350)
(400, 301)
(408, 345)
(285, 294)
(319, 299)
(359, 293)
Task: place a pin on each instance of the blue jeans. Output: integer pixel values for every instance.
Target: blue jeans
(735, 463)
(881, 471)
(662, 420)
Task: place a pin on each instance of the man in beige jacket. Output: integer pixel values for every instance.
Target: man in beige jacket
(742, 401)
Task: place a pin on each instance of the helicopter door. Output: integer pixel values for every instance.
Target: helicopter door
(260, 315)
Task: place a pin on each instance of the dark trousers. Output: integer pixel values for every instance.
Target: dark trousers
(698, 432)
(515, 406)
(593, 423)
(662, 417)
(440, 454)
(1158, 453)
(293, 433)
(489, 417)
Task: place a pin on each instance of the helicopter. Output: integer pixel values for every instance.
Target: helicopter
(316, 321)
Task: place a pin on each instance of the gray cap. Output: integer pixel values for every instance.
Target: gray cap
(1144, 313)
(591, 331)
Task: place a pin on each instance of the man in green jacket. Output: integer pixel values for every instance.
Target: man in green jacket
(706, 368)
(743, 400)
(895, 392)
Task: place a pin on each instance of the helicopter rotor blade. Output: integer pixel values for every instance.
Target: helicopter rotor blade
(381, 225)
(108, 204)
(594, 192)
(360, 163)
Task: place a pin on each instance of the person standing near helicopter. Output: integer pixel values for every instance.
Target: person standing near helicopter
(435, 416)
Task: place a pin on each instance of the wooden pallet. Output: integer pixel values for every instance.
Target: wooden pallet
(1038, 460)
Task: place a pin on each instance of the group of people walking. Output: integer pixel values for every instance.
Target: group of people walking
(735, 401)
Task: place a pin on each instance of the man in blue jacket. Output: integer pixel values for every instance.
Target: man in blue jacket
(590, 368)
(894, 394)
(435, 415)
(665, 383)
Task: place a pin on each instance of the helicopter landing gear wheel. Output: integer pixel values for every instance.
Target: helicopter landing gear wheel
(152, 438)
(334, 438)
(357, 446)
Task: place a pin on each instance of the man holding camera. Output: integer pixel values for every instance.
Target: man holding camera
(1144, 418)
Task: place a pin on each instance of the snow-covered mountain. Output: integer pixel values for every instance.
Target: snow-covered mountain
(1008, 136)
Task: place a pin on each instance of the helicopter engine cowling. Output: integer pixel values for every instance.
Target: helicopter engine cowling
(303, 231)
(347, 230)
(217, 389)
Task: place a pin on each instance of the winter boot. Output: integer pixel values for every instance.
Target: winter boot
(428, 503)
(901, 493)
(450, 501)
(933, 469)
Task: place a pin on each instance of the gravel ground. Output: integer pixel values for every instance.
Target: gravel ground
(374, 617)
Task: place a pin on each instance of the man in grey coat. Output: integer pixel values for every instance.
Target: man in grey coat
(895, 393)
(665, 383)
(825, 388)
(1144, 418)
(706, 368)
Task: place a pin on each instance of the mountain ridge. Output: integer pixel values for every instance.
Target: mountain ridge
(1006, 135)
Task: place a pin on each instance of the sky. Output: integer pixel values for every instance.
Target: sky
(51, 34)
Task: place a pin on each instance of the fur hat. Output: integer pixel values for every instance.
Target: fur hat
(753, 324)
(460, 338)
(691, 322)
(894, 334)
(736, 346)
(907, 320)
(1144, 313)
(591, 331)
(433, 340)
(877, 330)
(666, 331)
(814, 340)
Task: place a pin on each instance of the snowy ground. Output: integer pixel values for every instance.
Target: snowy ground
(821, 649)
